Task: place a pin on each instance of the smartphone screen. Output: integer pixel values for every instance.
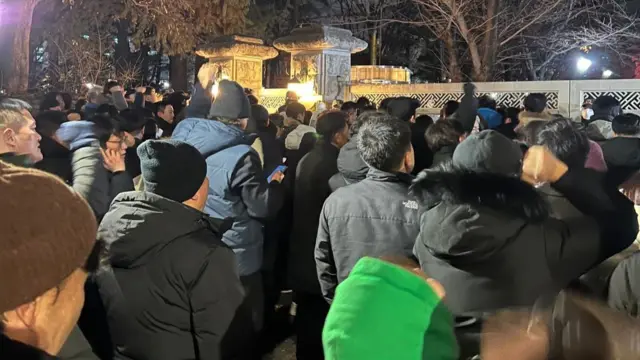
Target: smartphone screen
(281, 168)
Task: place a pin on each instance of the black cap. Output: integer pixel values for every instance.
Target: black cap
(489, 152)
(231, 102)
(172, 169)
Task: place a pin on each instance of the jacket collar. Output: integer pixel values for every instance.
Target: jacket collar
(504, 194)
(15, 159)
(383, 176)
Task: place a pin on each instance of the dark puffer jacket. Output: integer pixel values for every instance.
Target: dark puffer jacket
(351, 167)
(171, 286)
(490, 241)
(375, 217)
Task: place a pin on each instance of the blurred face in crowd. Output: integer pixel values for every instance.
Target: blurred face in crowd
(46, 322)
(168, 114)
(409, 161)
(60, 102)
(118, 144)
(20, 136)
(342, 137)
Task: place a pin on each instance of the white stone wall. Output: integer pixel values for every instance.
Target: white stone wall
(565, 97)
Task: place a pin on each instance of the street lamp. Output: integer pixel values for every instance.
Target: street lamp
(583, 64)
(607, 73)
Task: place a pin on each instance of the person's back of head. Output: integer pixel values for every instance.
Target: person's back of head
(50, 102)
(107, 109)
(332, 126)
(48, 122)
(174, 170)
(349, 107)
(488, 152)
(295, 110)
(529, 133)
(384, 104)
(565, 141)
(450, 108)
(486, 101)
(131, 121)
(231, 106)
(259, 117)
(384, 142)
(104, 126)
(626, 125)
(535, 102)
(47, 248)
(110, 84)
(443, 133)
(404, 108)
(606, 107)
(253, 100)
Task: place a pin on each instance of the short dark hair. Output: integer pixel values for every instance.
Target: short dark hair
(107, 109)
(383, 141)
(349, 106)
(565, 141)
(49, 101)
(131, 120)
(606, 105)
(363, 101)
(486, 101)
(253, 100)
(443, 133)
(14, 104)
(160, 106)
(48, 122)
(331, 123)
(529, 133)
(105, 126)
(295, 109)
(626, 124)
(535, 102)
(384, 104)
(450, 107)
(276, 119)
(259, 116)
(149, 90)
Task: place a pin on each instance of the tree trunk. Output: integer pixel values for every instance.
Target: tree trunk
(18, 77)
(123, 52)
(373, 47)
(490, 41)
(454, 70)
(178, 72)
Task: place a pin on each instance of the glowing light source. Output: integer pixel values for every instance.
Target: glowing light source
(494, 95)
(166, 84)
(607, 73)
(89, 85)
(306, 92)
(583, 64)
(215, 88)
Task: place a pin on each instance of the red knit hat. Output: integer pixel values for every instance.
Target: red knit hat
(47, 229)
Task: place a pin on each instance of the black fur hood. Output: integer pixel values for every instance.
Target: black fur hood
(473, 215)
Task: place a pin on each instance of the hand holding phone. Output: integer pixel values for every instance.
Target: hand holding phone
(277, 174)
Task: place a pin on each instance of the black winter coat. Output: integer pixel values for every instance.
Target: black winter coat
(171, 287)
(14, 350)
(311, 190)
(56, 159)
(491, 243)
(351, 167)
(375, 217)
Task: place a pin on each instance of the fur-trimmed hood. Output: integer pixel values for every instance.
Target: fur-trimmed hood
(472, 215)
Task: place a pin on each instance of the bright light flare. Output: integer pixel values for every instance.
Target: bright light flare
(607, 74)
(583, 64)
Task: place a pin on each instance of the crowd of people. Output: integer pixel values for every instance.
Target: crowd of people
(138, 226)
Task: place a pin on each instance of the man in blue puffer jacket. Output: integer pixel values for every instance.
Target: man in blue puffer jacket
(238, 190)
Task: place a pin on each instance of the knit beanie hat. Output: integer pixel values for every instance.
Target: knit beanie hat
(382, 311)
(171, 168)
(231, 102)
(489, 152)
(48, 231)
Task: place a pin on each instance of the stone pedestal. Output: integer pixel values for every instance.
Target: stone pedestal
(322, 54)
(239, 58)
